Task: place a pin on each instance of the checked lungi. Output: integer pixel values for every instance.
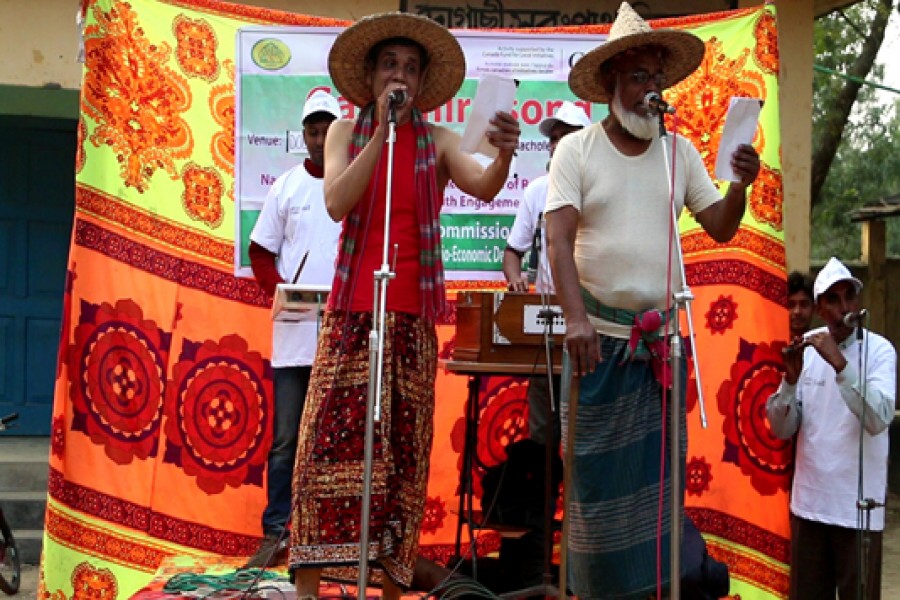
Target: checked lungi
(614, 510)
(328, 476)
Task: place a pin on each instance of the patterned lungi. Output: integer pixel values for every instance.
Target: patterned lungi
(328, 476)
(614, 504)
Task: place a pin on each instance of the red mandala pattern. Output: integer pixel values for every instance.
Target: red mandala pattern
(765, 201)
(90, 583)
(503, 419)
(202, 196)
(698, 474)
(196, 47)
(721, 315)
(221, 107)
(138, 103)
(766, 50)
(435, 513)
(749, 443)
(217, 409)
(116, 369)
(58, 437)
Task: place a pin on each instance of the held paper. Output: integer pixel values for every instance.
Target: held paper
(493, 94)
(740, 127)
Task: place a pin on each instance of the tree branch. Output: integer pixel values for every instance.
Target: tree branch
(835, 118)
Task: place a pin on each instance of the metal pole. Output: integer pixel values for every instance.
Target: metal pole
(376, 367)
(675, 472)
(682, 300)
(864, 506)
(568, 394)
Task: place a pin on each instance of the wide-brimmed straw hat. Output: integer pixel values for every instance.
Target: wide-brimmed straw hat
(684, 52)
(446, 62)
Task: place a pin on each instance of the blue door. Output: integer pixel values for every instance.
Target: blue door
(37, 200)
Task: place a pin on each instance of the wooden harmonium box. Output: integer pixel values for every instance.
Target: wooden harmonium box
(299, 302)
(507, 327)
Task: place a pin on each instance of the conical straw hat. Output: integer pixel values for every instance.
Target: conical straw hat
(684, 52)
(446, 62)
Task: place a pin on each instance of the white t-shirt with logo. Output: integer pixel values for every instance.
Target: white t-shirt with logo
(293, 222)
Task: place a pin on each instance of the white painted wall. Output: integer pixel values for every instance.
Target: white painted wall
(38, 42)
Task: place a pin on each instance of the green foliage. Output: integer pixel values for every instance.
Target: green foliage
(866, 166)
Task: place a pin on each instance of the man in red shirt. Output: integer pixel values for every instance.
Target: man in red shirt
(411, 66)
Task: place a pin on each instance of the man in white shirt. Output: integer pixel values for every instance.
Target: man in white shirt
(527, 232)
(838, 397)
(294, 240)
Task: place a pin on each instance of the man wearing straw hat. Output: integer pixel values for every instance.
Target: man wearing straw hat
(608, 217)
(372, 63)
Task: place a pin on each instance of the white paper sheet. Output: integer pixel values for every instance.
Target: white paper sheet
(740, 128)
(493, 94)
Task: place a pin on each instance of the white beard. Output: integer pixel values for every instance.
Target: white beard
(643, 128)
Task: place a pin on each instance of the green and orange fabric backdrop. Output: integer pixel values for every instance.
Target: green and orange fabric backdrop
(163, 392)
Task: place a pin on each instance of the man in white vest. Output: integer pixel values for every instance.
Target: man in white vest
(608, 217)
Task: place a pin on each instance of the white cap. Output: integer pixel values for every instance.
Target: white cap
(833, 272)
(567, 113)
(321, 101)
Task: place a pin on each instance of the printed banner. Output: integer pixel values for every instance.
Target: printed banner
(163, 396)
(278, 67)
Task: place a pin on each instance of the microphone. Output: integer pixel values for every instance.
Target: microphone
(397, 97)
(654, 103)
(535, 250)
(855, 319)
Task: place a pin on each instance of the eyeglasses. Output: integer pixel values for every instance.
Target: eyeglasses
(641, 77)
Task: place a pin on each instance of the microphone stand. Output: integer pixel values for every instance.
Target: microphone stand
(376, 363)
(568, 393)
(682, 299)
(864, 506)
(546, 589)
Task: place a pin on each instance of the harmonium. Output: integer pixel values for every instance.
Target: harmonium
(299, 301)
(507, 328)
